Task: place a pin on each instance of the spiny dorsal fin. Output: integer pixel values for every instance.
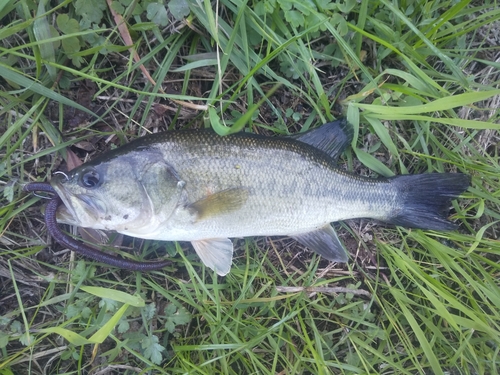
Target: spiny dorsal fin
(219, 203)
(215, 253)
(325, 242)
(332, 138)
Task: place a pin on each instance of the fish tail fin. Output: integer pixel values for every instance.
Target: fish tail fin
(426, 199)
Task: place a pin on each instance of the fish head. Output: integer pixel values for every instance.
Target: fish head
(124, 193)
(83, 203)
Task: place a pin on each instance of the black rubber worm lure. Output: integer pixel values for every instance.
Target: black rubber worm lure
(81, 248)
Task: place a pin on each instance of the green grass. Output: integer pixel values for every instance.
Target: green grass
(418, 80)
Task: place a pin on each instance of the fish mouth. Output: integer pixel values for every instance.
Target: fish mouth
(78, 209)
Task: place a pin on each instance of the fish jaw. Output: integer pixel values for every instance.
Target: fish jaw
(79, 209)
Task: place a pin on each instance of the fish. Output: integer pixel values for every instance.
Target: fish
(196, 186)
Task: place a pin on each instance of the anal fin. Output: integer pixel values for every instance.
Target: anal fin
(325, 242)
(215, 253)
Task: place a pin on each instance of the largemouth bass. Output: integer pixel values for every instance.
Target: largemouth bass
(196, 186)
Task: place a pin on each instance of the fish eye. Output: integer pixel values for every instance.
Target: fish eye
(89, 178)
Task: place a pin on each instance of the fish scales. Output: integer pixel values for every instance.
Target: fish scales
(290, 185)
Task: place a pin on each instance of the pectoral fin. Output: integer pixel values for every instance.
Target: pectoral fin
(219, 203)
(216, 254)
(325, 242)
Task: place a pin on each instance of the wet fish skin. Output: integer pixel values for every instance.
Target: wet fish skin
(199, 187)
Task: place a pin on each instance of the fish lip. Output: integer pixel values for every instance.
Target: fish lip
(90, 203)
(57, 182)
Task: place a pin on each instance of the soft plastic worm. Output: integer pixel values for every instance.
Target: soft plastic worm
(81, 248)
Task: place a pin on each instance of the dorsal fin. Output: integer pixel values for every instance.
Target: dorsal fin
(332, 137)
